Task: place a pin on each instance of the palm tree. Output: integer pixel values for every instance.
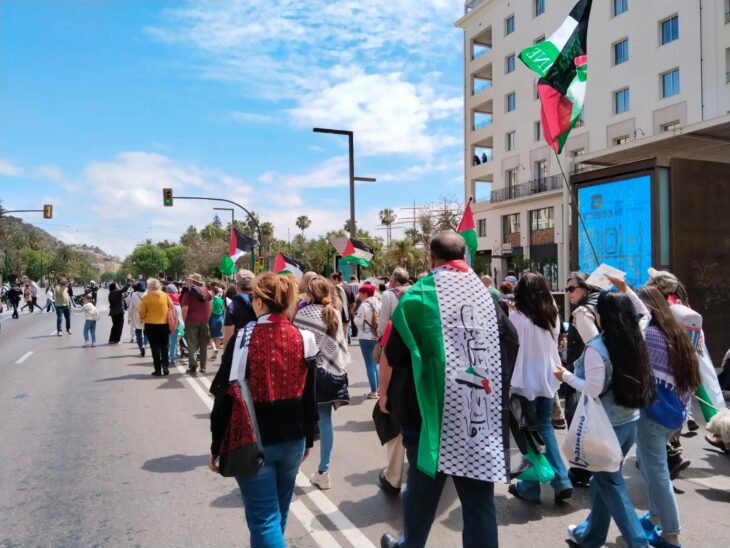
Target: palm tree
(413, 235)
(267, 235)
(387, 218)
(303, 223)
(402, 252)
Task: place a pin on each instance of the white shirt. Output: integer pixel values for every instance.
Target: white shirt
(364, 318)
(595, 371)
(536, 358)
(388, 302)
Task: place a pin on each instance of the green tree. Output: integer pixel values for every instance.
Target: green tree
(217, 221)
(176, 267)
(148, 260)
(37, 262)
(303, 223)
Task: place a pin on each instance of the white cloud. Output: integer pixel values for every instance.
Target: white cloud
(365, 66)
(50, 172)
(8, 168)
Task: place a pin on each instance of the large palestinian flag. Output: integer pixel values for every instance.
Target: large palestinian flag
(357, 252)
(468, 231)
(239, 246)
(285, 265)
(448, 321)
(561, 62)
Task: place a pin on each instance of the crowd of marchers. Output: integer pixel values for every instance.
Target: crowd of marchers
(458, 370)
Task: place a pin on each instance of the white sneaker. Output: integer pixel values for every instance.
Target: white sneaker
(571, 536)
(321, 480)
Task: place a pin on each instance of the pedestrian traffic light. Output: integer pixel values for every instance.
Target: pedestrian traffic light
(167, 197)
(260, 264)
(48, 211)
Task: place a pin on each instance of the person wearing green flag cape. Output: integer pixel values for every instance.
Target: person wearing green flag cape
(454, 350)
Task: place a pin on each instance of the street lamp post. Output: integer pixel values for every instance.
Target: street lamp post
(351, 152)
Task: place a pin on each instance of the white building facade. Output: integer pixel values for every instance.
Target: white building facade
(654, 68)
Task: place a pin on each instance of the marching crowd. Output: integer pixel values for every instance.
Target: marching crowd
(458, 367)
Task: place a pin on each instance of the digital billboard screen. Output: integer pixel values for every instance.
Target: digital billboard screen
(617, 217)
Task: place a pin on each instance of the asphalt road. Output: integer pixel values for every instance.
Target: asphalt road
(95, 451)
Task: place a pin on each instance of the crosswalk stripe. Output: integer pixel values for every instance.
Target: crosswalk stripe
(24, 357)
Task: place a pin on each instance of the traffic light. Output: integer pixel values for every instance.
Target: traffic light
(260, 264)
(48, 211)
(167, 197)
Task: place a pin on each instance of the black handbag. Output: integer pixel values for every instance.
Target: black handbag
(242, 453)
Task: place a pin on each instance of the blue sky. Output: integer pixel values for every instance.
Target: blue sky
(104, 103)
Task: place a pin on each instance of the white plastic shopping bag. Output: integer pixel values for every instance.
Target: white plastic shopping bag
(591, 442)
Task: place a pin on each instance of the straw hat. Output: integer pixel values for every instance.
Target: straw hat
(196, 278)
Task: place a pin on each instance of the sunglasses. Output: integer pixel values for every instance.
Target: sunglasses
(571, 288)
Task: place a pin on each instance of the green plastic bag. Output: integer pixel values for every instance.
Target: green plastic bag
(540, 470)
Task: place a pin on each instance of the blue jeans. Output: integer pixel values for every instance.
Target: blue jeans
(141, 337)
(543, 409)
(651, 451)
(326, 436)
(63, 311)
(366, 347)
(267, 494)
(173, 346)
(90, 329)
(610, 499)
(422, 496)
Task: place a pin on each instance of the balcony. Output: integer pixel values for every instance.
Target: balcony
(727, 16)
(470, 5)
(530, 188)
(727, 77)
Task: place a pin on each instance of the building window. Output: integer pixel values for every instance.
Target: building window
(621, 140)
(671, 127)
(620, 6)
(621, 51)
(510, 63)
(511, 224)
(510, 177)
(541, 219)
(670, 83)
(538, 131)
(511, 101)
(482, 228)
(509, 25)
(621, 101)
(540, 171)
(509, 141)
(539, 7)
(670, 29)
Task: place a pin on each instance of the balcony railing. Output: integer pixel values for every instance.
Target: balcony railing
(481, 87)
(469, 5)
(537, 186)
(727, 16)
(727, 77)
(479, 53)
(483, 122)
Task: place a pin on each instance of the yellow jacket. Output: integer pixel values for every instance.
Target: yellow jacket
(153, 308)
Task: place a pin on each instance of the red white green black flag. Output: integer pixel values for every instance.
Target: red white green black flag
(561, 62)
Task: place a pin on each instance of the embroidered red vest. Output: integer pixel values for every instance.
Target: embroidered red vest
(276, 366)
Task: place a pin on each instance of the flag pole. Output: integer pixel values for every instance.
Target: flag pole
(574, 201)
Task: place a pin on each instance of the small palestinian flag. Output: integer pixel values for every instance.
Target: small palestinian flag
(357, 252)
(468, 231)
(239, 246)
(285, 265)
(561, 62)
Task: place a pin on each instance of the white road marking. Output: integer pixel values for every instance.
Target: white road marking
(24, 357)
(328, 508)
(312, 525)
(310, 522)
